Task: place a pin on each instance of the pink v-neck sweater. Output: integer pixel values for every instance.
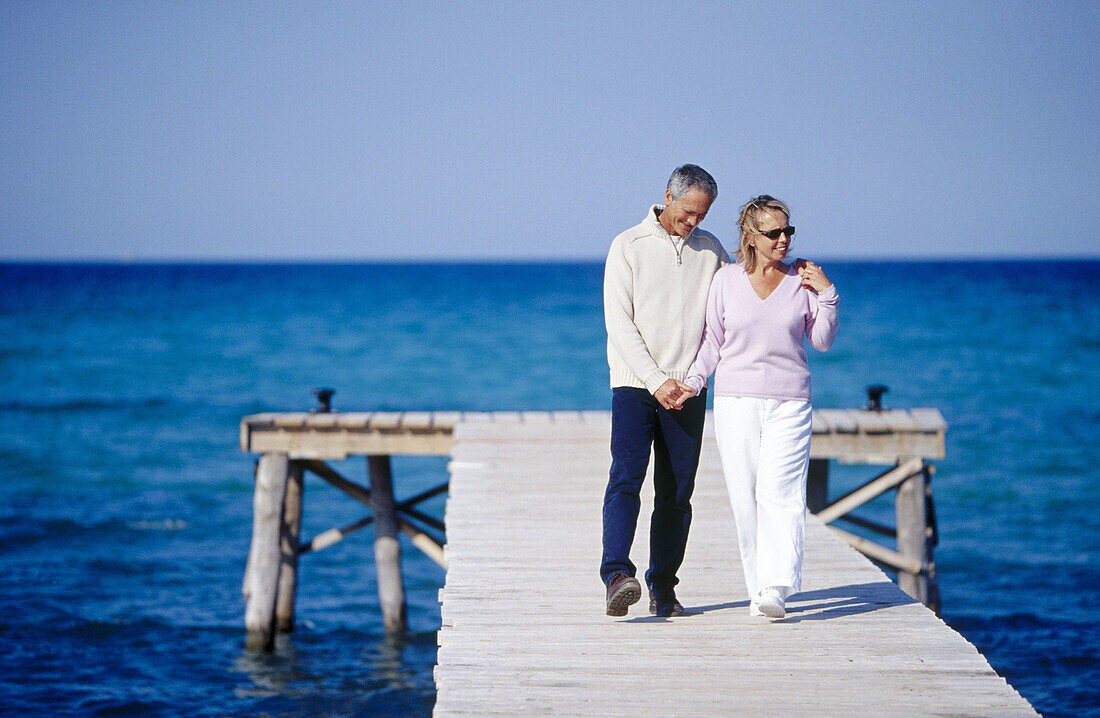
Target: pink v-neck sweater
(756, 344)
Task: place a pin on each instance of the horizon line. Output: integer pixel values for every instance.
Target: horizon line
(848, 259)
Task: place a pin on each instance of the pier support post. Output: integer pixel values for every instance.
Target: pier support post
(817, 485)
(289, 535)
(261, 582)
(915, 538)
(387, 549)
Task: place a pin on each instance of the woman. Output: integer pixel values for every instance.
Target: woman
(758, 311)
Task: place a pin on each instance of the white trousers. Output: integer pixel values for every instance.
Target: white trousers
(764, 445)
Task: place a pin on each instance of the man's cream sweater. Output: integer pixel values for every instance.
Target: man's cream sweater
(655, 301)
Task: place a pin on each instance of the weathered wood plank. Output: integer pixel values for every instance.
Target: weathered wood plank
(446, 419)
(525, 633)
(353, 419)
(341, 443)
(416, 420)
(839, 420)
(338, 435)
(596, 417)
(326, 420)
(265, 419)
(537, 418)
(821, 422)
(899, 420)
(386, 420)
(869, 422)
(290, 420)
(928, 419)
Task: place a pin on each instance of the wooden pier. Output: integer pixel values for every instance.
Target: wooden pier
(524, 630)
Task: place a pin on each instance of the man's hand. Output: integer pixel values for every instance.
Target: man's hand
(672, 394)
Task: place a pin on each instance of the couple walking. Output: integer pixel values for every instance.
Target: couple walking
(677, 310)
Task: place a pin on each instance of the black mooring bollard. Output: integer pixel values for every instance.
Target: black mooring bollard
(874, 396)
(324, 400)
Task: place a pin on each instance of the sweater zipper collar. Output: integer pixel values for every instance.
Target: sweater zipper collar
(679, 247)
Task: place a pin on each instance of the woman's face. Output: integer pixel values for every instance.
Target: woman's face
(770, 250)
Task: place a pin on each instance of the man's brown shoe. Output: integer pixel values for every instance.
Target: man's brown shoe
(622, 592)
(663, 603)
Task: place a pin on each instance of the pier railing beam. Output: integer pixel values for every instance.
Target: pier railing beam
(261, 584)
(290, 530)
(387, 548)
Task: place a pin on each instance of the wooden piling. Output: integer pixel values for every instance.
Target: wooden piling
(914, 538)
(817, 485)
(261, 584)
(290, 531)
(387, 548)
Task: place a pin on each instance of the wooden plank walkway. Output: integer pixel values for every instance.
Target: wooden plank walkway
(524, 630)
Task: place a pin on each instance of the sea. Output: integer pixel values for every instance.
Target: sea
(126, 502)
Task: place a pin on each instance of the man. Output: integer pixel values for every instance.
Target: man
(656, 282)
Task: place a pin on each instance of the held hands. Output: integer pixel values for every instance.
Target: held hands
(673, 393)
(812, 276)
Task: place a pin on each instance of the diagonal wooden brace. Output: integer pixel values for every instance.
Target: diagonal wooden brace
(891, 558)
(871, 489)
(331, 475)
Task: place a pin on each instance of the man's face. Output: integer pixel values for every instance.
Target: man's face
(684, 214)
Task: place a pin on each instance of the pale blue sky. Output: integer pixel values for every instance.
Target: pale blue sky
(513, 130)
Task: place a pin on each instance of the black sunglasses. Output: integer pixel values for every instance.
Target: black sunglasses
(774, 234)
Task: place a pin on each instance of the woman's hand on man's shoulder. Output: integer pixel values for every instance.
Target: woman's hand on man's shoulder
(813, 277)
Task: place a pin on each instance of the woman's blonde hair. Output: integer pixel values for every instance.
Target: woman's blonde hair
(749, 223)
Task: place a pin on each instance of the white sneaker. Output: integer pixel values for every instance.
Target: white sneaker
(771, 603)
(754, 608)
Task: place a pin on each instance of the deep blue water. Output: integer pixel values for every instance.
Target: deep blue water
(126, 505)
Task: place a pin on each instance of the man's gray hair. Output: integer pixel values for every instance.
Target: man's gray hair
(689, 177)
